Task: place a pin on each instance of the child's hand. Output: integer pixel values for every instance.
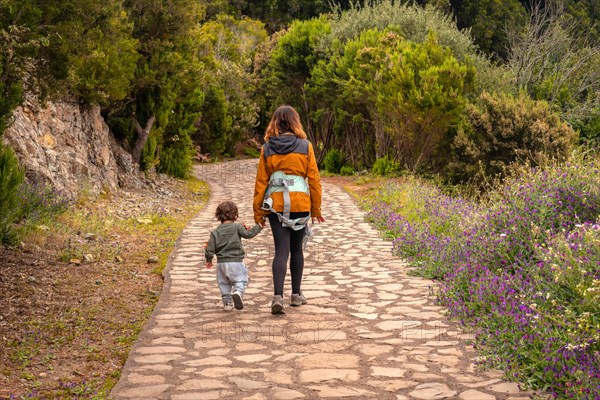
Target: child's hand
(208, 265)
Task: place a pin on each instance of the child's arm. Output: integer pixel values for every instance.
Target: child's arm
(209, 251)
(248, 233)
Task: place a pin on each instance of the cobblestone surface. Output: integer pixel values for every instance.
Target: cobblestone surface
(368, 331)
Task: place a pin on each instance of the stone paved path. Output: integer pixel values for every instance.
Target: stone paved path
(369, 330)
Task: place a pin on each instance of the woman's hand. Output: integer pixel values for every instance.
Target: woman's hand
(208, 265)
(320, 219)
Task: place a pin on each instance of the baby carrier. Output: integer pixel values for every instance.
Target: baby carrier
(281, 182)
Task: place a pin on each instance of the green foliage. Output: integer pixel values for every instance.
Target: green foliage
(502, 129)
(15, 45)
(489, 21)
(347, 170)
(79, 47)
(10, 98)
(215, 125)
(415, 23)
(587, 15)
(11, 176)
(292, 60)
(276, 14)
(552, 61)
(102, 55)
(177, 152)
(412, 22)
(385, 166)
(176, 159)
(148, 159)
(251, 152)
(589, 128)
(166, 74)
(411, 93)
(333, 161)
(227, 47)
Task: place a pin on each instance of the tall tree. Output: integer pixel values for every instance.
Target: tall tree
(76, 47)
(164, 77)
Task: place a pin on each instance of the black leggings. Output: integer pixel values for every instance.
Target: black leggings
(287, 241)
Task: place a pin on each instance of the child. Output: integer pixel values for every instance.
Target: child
(226, 244)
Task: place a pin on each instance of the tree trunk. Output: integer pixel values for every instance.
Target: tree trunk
(142, 137)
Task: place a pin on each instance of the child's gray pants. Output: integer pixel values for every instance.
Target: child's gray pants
(231, 276)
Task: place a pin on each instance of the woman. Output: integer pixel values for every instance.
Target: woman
(282, 195)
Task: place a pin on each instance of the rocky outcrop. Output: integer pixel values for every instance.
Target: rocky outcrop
(70, 147)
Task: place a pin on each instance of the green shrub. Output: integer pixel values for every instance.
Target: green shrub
(385, 166)
(501, 129)
(251, 152)
(589, 128)
(11, 176)
(414, 23)
(216, 123)
(401, 95)
(333, 161)
(347, 170)
(148, 158)
(176, 157)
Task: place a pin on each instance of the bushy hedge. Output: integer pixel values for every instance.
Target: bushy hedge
(385, 166)
(520, 268)
(390, 97)
(500, 129)
(333, 161)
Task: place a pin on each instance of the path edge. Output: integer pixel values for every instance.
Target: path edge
(163, 299)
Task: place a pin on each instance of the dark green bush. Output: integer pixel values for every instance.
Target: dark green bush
(176, 157)
(333, 161)
(11, 176)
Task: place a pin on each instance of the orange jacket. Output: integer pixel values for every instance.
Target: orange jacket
(293, 156)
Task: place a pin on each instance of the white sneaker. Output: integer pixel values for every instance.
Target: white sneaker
(227, 306)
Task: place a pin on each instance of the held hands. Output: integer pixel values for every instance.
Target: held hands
(208, 265)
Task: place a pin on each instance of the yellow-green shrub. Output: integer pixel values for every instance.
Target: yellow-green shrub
(500, 129)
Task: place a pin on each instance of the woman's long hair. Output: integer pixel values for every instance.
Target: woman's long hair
(285, 119)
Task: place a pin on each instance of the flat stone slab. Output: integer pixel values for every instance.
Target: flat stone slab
(324, 375)
(432, 391)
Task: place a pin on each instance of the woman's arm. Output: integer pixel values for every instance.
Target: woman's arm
(314, 185)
